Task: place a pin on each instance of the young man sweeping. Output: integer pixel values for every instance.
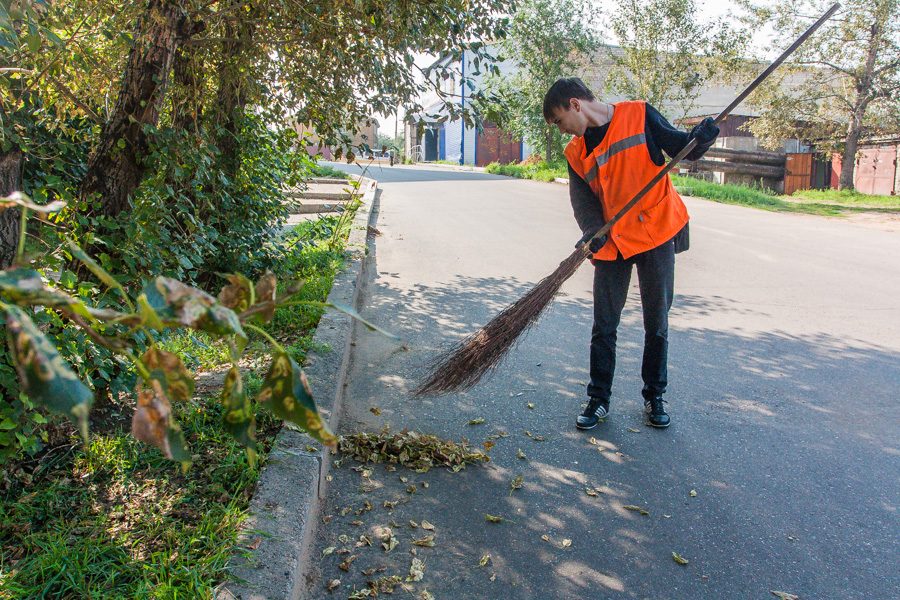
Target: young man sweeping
(616, 151)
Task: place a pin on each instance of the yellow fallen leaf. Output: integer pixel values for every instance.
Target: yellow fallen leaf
(520, 454)
(637, 509)
(427, 541)
(516, 483)
(633, 430)
(478, 421)
(530, 405)
(345, 566)
(590, 491)
(679, 559)
(545, 537)
(785, 595)
(375, 411)
(488, 444)
(413, 524)
(693, 493)
(328, 550)
(493, 518)
(566, 543)
(484, 560)
(427, 525)
(416, 570)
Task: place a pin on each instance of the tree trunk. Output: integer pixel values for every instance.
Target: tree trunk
(848, 158)
(232, 95)
(863, 97)
(10, 181)
(187, 106)
(116, 167)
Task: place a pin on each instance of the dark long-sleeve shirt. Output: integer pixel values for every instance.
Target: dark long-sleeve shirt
(661, 137)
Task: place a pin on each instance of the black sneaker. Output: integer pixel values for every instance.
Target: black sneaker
(656, 413)
(596, 410)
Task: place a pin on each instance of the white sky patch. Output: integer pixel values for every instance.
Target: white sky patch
(709, 11)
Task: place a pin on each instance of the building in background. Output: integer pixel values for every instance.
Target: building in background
(366, 136)
(430, 135)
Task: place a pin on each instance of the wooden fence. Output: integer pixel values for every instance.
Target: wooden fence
(786, 172)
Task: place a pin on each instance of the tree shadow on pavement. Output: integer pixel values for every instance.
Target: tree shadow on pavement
(783, 438)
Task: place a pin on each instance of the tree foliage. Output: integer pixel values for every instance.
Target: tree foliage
(548, 39)
(849, 76)
(167, 127)
(666, 54)
(48, 381)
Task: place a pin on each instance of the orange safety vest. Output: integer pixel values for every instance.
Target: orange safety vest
(616, 170)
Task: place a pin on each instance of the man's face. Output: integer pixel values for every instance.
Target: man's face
(570, 119)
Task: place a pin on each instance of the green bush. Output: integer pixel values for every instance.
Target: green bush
(540, 171)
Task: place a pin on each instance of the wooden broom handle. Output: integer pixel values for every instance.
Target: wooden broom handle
(693, 143)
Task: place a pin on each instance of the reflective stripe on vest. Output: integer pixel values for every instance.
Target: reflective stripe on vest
(616, 170)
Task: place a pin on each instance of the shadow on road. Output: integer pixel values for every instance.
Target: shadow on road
(768, 427)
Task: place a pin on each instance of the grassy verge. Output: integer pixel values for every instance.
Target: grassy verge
(326, 171)
(848, 199)
(117, 520)
(817, 202)
(540, 171)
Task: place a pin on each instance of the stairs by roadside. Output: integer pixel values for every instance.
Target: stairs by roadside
(322, 196)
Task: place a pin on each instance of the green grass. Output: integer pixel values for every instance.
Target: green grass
(745, 196)
(319, 257)
(118, 520)
(327, 171)
(816, 202)
(541, 171)
(850, 199)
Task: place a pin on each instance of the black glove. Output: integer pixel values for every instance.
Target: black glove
(595, 244)
(704, 132)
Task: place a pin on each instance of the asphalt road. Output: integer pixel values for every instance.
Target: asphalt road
(779, 472)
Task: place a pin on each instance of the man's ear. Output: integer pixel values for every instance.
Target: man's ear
(575, 104)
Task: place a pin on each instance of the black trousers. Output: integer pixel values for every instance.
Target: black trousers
(656, 276)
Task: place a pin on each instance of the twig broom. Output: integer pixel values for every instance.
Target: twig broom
(463, 365)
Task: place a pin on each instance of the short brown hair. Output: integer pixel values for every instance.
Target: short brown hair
(563, 90)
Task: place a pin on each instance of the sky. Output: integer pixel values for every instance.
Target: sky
(708, 10)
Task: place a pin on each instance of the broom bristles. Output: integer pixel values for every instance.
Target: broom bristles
(463, 365)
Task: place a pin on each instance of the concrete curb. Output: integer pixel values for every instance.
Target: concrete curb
(272, 547)
(449, 167)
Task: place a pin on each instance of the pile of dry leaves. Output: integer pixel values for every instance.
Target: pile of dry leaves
(414, 450)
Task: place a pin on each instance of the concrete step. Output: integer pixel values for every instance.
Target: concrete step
(312, 206)
(317, 195)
